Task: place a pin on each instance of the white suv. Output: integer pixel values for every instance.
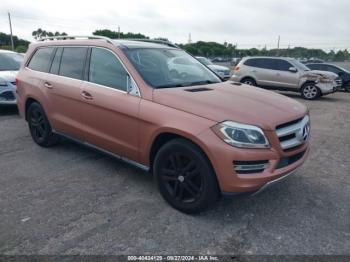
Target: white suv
(9, 66)
(285, 74)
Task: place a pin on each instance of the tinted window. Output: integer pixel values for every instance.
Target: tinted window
(56, 61)
(268, 63)
(315, 67)
(333, 69)
(283, 65)
(105, 69)
(253, 62)
(41, 59)
(72, 62)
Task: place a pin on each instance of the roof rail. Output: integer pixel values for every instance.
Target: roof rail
(69, 37)
(162, 42)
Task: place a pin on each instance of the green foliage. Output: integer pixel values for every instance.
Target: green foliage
(40, 33)
(5, 42)
(115, 35)
(212, 49)
(21, 49)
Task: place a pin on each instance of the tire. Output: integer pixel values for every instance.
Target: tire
(39, 126)
(310, 91)
(248, 81)
(347, 88)
(185, 177)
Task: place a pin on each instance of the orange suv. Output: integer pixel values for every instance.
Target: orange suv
(198, 135)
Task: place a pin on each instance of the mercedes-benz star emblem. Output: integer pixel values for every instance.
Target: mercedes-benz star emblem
(306, 132)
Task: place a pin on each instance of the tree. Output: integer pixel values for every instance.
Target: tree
(115, 35)
(37, 34)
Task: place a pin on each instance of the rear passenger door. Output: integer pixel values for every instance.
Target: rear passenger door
(265, 72)
(63, 89)
(110, 113)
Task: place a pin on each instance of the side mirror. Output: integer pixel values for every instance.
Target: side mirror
(292, 69)
(340, 73)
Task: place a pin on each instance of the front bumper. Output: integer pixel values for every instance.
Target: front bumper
(327, 88)
(223, 158)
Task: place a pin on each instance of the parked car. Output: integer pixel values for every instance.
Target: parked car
(284, 74)
(9, 66)
(341, 72)
(222, 71)
(199, 136)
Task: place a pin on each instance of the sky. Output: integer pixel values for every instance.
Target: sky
(248, 23)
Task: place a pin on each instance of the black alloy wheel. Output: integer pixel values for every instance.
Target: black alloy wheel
(185, 177)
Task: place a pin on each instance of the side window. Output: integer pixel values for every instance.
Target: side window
(268, 63)
(41, 59)
(72, 62)
(56, 61)
(283, 65)
(315, 67)
(106, 69)
(333, 69)
(252, 62)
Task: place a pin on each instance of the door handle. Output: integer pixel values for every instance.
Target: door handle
(86, 95)
(48, 85)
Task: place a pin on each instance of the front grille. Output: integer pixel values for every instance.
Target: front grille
(294, 133)
(8, 95)
(286, 161)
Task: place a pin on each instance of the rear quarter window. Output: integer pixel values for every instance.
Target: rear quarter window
(41, 59)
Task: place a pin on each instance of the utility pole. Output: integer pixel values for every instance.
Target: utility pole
(189, 38)
(278, 42)
(12, 45)
(118, 31)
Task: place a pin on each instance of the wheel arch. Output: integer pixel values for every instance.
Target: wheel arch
(165, 136)
(28, 102)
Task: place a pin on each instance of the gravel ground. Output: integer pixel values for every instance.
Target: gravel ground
(71, 200)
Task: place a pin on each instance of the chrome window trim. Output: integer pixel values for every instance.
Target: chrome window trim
(132, 92)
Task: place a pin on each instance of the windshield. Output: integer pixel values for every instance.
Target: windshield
(300, 65)
(10, 61)
(204, 61)
(163, 68)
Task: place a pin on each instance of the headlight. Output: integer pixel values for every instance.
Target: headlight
(241, 135)
(2, 82)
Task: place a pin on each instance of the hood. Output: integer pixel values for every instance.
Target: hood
(229, 101)
(330, 75)
(218, 67)
(9, 76)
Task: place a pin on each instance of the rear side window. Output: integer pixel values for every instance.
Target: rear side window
(253, 62)
(106, 69)
(56, 61)
(72, 62)
(41, 59)
(269, 63)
